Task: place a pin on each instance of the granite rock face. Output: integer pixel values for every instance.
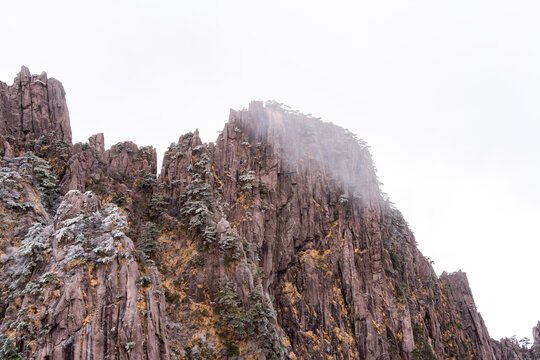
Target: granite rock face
(34, 109)
(274, 242)
(73, 283)
(338, 259)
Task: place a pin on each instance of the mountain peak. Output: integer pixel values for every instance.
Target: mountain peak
(273, 243)
(34, 110)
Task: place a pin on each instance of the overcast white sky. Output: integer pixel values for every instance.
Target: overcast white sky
(445, 92)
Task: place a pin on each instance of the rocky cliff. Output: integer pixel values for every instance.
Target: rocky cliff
(274, 242)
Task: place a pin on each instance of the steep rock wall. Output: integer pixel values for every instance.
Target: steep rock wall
(274, 242)
(340, 261)
(34, 109)
(73, 284)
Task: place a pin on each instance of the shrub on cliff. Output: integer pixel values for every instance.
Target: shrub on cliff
(260, 313)
(228, 307)
(31, 169)
(198, 209)
(248, 181)
(148, 242)
(157, 206)
(8, 351)
(34, 245)
(146, 180)
(92, 236)
(231, 244)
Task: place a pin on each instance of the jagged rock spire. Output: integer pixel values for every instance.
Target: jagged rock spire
(34, 109)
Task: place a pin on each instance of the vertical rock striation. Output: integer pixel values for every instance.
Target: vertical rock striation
(337, 257)
(73, 283)
(34, 109)
(274, 242)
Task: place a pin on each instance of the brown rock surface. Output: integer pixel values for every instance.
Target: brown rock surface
(339, 261)
(273, 243)
(33, 107)
(536, 339)
(85, 298)
(506, 349)
(125, 163)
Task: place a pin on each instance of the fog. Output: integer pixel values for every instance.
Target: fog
(444, 92)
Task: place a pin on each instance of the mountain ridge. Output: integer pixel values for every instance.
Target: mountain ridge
(264, 244)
